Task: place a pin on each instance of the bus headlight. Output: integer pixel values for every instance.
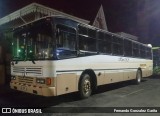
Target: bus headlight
(41, 81)
(13, 78)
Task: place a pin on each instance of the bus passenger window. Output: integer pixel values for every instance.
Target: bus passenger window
(142, 51)
(87, 38)
(136, 50)
(87, 44)
(148, 53)
(127, 47)
(117, 46)
(108, 39)
(66, 37)
(104, 42)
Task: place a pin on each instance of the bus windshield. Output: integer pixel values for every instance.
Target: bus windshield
(33, 42)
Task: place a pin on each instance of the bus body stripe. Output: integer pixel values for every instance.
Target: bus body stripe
(94, 70)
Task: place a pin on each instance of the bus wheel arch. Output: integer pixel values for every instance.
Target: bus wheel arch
(87, 75)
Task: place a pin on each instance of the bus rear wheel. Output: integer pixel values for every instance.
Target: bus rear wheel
(85, 88)
(138, 77)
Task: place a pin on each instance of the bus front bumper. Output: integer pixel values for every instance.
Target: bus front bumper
(36, 90)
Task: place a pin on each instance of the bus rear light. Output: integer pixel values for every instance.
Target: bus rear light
(48, 81)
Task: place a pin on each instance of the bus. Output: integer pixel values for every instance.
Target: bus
(57, 55)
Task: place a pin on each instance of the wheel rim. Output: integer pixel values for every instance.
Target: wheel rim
(87, 86)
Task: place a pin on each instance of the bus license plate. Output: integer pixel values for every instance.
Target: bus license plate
(23, 88)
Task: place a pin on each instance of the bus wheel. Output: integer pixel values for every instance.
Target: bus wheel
(138, 77)
(85, 88)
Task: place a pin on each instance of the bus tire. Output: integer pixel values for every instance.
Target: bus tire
(138, 77)
(85, 88)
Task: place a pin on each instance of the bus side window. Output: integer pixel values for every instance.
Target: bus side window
(142, 51)
(148, 53)
(127, 47)
(136, 50)
(87, 44)
(82, 43)
(65, 42)
(66, 37)
(101, 43)
(117, 46)
(108, 39)
(87, 39)
(104, 42)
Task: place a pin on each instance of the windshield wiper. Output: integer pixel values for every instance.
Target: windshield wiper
(32, 59)
(16, 59)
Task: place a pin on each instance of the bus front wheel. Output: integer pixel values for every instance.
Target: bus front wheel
(85, 88)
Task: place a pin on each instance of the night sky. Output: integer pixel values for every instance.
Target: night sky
(137, 17)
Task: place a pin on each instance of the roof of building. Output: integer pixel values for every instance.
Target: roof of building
(30, 13)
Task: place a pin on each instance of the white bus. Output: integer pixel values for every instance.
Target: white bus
(57, 55)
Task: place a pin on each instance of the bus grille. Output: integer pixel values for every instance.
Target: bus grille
(28, 71)
(26, 80)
